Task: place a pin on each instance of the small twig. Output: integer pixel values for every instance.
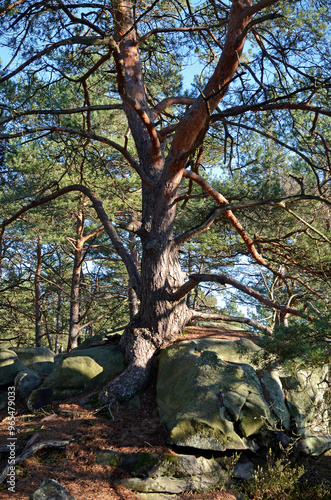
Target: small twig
(100, 409)
(110, 413)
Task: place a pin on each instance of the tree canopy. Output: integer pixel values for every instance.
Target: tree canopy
(172, 192)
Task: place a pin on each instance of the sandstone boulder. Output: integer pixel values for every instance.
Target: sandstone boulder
(216, 394)
(79, 371)
(10, 365)
(39, 359)
(25, 382)
(154, 474)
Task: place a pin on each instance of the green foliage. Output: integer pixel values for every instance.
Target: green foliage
(306, 343)
(281, 479)
(276, 480)
(247, 155)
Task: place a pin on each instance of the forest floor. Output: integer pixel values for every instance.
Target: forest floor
(134, 429)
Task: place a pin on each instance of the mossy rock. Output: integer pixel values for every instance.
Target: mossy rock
(39, 359)
(218, 395)
(105, 336)
(25, 382)
(10, 365)
(83, 370)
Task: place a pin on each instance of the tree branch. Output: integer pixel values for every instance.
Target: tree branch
(272, 106)
(171, 101)
(221, 200)
(282, 205)
(259, 20)
(82, 40)
(90, 135)
(277, 141)
(11, 6)
(193, 126)
(155, 31)
(16, 114)
(235, 319)
(261, 5)
(195, 279)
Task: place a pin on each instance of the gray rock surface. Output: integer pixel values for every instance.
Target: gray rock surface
(51, 490)
(216, 394)
(10, 365)
(39, 398)
(3, 400)
(25, 382)
(165, 474)
(39, 359)
(80, 371)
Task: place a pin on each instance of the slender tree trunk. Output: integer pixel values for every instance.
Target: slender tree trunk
(74, 329)
(58, 320)
(48, 336)
(37, 298)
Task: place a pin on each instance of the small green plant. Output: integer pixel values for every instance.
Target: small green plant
(20, 471)
(228, 463)
(278, 479)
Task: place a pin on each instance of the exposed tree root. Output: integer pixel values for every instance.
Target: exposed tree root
(31, 451)
(139, 350)
(129, 383)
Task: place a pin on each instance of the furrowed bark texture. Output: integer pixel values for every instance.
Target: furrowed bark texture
(160, 319)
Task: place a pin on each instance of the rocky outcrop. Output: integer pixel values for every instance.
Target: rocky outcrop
(38, 359)
(14, 373)
(40, 377)
(166, 476)
(79, 371)
(10, 365)
(217, 395)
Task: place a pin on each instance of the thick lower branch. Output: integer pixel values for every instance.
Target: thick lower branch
(221, 200)
(195, 279)
(232, 319)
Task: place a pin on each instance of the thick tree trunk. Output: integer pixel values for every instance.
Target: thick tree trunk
(160, 317)
(159, 320)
